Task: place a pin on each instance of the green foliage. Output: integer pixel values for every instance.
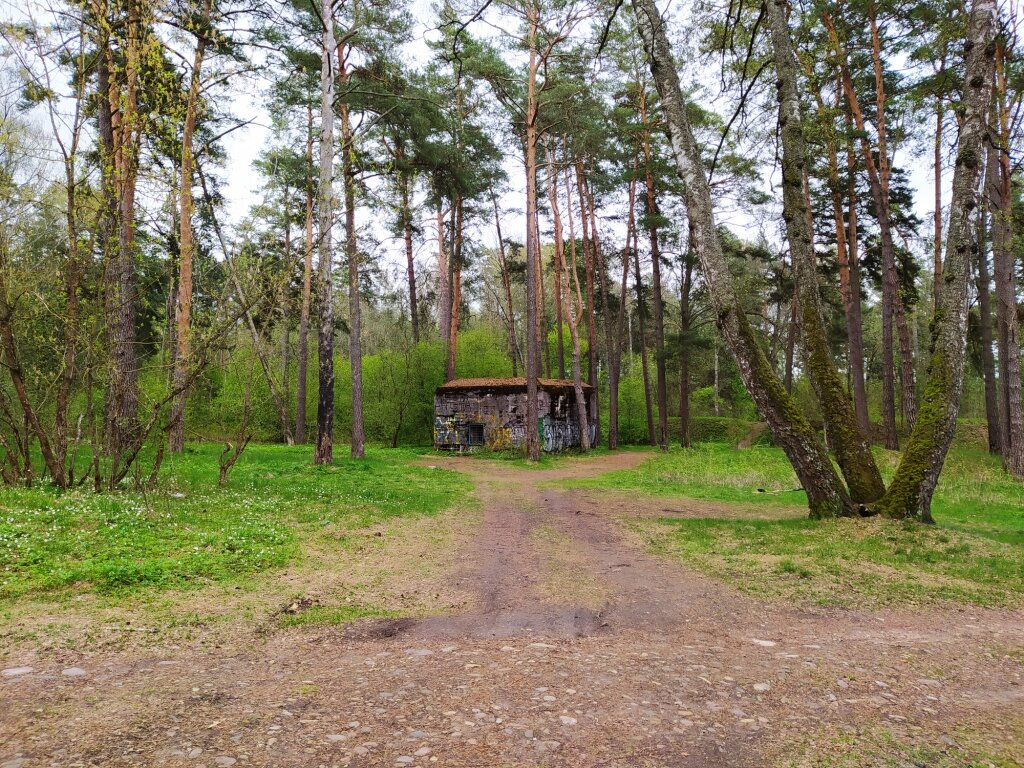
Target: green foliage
(632, 407)
(719, 429)
(189, 532)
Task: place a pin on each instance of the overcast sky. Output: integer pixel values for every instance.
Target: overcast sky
(243, 187)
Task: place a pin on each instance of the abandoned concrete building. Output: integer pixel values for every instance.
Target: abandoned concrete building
(470, 414)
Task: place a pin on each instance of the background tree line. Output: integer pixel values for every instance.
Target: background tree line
(512, 188)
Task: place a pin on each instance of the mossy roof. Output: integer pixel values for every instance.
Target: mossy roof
(511, 384)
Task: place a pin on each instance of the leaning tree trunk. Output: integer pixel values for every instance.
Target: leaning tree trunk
(910, 493)
(323, 452)
(845, 435)
(825, 492)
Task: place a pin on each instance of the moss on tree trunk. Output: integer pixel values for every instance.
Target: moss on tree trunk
(826, 494)
(910, 494)
(848, 440)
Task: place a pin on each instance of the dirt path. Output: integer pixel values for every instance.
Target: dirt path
(578, 650)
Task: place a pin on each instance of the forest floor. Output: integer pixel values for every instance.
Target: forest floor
(534, 627)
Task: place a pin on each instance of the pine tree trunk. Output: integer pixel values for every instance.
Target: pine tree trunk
(506, 283)
(826, 495)
(286, 320)
(307, 284)
(937, 215)
(1004, 261)
(532, 244)
(853, 453)
(456, 284)
(878, 183)
(588, 264)
(641, 311)
(410, 262)
(601, 271)
(846, 258)
(910, 493)
(355, 342)
(685, 326)
(571, 307)
(186, 248)
(908, 376)
(983, 284)
(118, 89)
(856, 327)
(444, 289)
(850, 295)
(323, 452)
(543, 308)
(615, 364)
(559, 260)
(657, 301)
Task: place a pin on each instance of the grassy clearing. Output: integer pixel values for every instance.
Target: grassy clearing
(763, 543)
(882, 747)
(190, 533)
(709, 471)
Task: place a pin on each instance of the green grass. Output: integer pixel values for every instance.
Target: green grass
(710, 471)
(190, 533)
(322, 615)
(881, 747)
(764, 544)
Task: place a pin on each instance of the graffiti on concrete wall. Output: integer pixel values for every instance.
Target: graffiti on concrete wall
(467, 421)
(559, 434)
(446, 431)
